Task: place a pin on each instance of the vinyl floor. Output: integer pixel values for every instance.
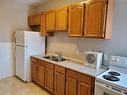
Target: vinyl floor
(14, 86)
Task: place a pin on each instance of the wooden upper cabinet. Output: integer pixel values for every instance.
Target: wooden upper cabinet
(61, 19)
(76, 20)
(94, 23)
(30, 20)
(43, 26)
(50, 21)
(96, 14)
(37, 19)
(43, 30)
(34, 20)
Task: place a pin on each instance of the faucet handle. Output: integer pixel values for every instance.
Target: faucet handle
(59, 53)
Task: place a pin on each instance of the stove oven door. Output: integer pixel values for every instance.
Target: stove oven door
(102, 89)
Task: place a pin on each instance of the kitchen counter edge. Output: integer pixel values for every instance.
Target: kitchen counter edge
(70, 64)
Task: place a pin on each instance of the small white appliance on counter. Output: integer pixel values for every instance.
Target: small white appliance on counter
(114, 80)
(27, 43)
(93, 59)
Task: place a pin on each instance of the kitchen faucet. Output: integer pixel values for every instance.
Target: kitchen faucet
(59, 53)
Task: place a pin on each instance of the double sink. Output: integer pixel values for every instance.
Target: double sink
(55, 58)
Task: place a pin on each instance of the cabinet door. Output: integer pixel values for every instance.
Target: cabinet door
(30, 20)
(50, 21)
(49, 79)
(41, 75)
(61, 19)
(95, 18)
(71, 85)
(59, 84)
(43, 28)
(37, 19)
(84, 89)
(76, 20)
(34, 72)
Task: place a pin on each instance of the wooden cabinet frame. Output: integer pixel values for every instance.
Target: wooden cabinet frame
(49, 79)
(95, 18)
(78, 19)
(34, 20)
(60, 80)
(86, 26)
(43, 26)
(50, 21)
(75, 23)
(62, 19)
(83, 83)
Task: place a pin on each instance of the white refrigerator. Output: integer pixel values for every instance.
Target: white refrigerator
(27, 43)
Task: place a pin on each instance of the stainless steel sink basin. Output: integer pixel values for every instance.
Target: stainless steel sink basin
(55, 58)
(50, 57)
(58, 59)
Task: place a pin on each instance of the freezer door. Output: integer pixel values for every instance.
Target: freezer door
(35, 43)
(20, 38)
(21, 62)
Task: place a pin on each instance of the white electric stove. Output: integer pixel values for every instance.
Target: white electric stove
(114, 80)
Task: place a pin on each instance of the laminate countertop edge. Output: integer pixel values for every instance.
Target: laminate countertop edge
(73, 65)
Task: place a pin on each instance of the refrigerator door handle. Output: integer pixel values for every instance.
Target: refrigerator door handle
(21, 46)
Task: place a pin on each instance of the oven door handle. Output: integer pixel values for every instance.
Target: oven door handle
(109, 88)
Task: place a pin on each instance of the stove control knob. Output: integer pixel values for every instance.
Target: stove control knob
(115, 59)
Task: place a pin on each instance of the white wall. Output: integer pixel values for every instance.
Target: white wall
(13, 17)
(6, 60)
(116, 46)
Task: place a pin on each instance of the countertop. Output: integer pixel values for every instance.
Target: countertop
(73, 65)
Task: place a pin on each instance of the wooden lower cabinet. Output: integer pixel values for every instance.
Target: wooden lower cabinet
(71, 85)
(49, 79)
(59, 84)
(83, 89)
(78, 84)
(74, 87)
(41, 75)
(34, 72)
(61, 81)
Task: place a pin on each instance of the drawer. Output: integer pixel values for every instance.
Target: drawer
(86, 79)
(46, 64)
(60, 69)
(80, 77)
(72, 74)
(33, 59)
(49, 65)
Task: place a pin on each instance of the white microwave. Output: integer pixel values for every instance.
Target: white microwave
(93, 59)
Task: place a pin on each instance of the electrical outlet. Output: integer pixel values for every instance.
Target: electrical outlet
(77, 52)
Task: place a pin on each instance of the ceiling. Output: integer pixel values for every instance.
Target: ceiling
(32, 2)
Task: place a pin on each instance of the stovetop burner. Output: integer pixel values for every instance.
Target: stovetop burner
(111, 78)
(114, 73)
